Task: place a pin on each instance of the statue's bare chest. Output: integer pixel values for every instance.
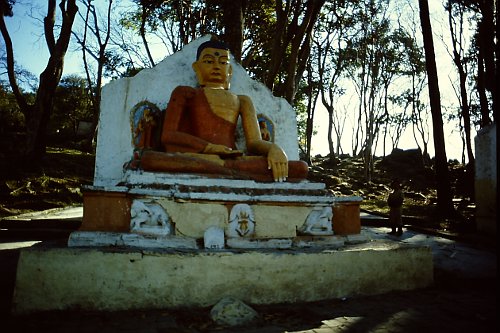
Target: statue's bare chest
(223, 103)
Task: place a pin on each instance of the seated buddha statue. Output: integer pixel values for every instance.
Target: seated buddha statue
(199, 127)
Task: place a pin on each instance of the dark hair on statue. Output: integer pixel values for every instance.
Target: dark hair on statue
(215, 43)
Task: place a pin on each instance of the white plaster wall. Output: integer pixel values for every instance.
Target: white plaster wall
(486, 179)
(486, 153)
(114, 141)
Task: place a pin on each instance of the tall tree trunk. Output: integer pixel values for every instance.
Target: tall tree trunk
(481, 90)
(142, 31)
(466, 114)
(456, 41)
(486, 64)
(300, 49)
(279, 43)
(21, 101)
(91, 19)
(293, 37)
(496, 99)
(311, 107)
(330, 131)
(488, 31)
(233, 16)
(38, 114)
(444, 196)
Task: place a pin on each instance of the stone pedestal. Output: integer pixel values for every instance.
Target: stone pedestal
(486, 180)
(194, 204)
(117, 278)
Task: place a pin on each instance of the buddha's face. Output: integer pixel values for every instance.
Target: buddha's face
(213, 69)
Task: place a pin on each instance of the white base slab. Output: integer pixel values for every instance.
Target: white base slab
(132, 240)
(100, 239)
(51, 278)
(249, 243)
(322, 242)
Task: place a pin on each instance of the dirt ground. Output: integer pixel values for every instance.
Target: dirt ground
(55, 182)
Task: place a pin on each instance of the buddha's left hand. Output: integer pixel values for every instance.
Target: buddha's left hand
(277, 161)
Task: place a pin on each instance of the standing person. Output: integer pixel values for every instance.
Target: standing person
(395, 203)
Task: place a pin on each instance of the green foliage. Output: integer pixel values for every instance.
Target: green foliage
(368, 45)
(260, 19)
(72, 104)
(6, 7)
(11, 118)
(115, 63)
(190, 19)
(304, 96)
(300, 108)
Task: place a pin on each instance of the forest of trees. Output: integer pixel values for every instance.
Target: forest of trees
(370, 63)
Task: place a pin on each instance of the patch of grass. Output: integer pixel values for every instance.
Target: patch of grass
(378, 205)
(54, 182)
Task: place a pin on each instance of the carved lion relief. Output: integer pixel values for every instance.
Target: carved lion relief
(149, 218)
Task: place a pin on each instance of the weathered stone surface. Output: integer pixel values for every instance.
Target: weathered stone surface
(116, 279)
(279, 221)
(318, 241)
(192, 219)
(253, 243)
(486, 179)
(232, 312)
(356, 239)
(107, 239)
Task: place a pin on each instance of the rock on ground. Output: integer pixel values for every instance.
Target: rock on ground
(232, 312)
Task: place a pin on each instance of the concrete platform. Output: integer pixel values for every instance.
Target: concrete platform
(53, 277)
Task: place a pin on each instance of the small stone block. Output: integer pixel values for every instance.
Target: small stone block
(105, 211)
(356, 239)
(256, 243)
(165, 242)
(346, 220)
(318, 241)
(214, 238)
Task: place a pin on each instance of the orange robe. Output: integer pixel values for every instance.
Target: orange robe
(188, 126)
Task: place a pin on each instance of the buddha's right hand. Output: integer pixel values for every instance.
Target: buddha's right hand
(277, 161)
(221, 150)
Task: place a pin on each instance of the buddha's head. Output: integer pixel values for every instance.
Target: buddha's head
(212, 66)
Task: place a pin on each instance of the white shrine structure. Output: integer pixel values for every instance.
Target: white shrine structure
(160, 240)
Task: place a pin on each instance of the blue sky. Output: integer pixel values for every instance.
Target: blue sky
(30, 49)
